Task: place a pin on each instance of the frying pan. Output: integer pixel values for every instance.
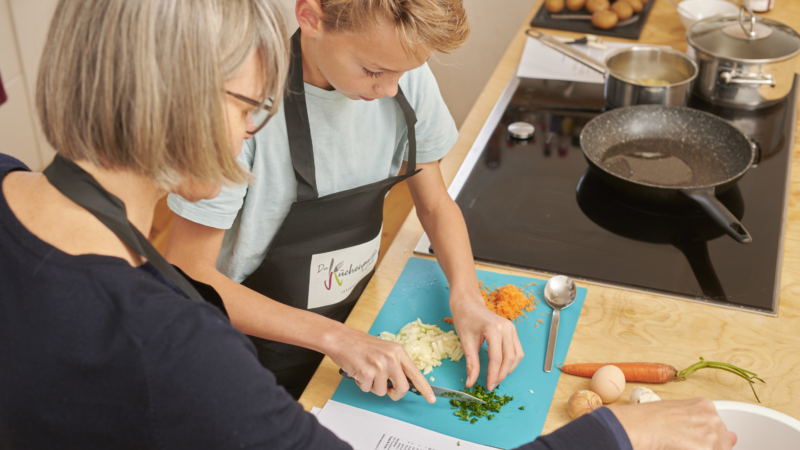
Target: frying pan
(684, 227)
(670, 155)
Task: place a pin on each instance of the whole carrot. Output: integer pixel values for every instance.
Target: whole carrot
(641, 372)
(659, 373)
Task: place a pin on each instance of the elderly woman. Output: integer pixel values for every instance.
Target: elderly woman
(103, 344)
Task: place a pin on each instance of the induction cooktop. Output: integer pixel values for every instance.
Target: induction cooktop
(534, 204)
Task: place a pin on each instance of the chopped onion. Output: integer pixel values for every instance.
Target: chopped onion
(426, 344)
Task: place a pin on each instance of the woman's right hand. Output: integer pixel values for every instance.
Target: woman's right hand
(373, 361)
(677, 424)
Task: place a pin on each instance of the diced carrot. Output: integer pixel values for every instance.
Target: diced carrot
(508, 301)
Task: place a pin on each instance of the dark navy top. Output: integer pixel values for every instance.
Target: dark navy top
(96, 354)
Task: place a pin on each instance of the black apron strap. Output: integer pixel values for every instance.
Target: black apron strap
(411, 121)
(297, 127)
(299, 131)
(80, 187)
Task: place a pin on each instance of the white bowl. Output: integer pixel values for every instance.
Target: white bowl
(693, 10)
(759, 428)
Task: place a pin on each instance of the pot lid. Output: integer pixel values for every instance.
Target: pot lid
(744, 38)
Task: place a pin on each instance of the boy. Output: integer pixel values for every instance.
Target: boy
(302, 241)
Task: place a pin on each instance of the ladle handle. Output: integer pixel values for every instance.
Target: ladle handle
(551, 341)
(707, 201)
(559, 46)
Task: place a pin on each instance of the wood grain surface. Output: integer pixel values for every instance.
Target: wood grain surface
(617, 325)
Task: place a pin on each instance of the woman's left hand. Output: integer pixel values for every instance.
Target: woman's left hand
(475, 323)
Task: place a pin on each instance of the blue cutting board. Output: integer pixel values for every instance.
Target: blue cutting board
(421, 292)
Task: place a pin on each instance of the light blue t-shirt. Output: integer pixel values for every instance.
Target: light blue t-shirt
(355, 143)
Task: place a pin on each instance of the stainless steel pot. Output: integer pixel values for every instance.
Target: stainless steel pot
(629, 73)
(628, 69)
(746, 63)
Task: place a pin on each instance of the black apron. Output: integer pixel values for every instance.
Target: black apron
(323, 233)
(80, 187)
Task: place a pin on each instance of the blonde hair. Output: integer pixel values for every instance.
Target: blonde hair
(139, 84)
(437, 25)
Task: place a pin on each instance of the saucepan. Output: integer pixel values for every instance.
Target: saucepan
(744, 63)
(671, 155)
(639, 75)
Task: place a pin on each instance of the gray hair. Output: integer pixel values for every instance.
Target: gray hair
(138, 84)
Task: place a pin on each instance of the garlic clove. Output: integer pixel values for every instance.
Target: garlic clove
(641, 394)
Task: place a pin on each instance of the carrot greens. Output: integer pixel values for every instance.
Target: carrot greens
(703, 364)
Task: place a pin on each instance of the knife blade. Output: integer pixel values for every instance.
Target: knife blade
(452, 394)
(437, 391)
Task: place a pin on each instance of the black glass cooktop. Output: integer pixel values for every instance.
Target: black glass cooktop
(535, 204)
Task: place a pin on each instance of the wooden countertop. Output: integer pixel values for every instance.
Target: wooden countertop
(617, 325)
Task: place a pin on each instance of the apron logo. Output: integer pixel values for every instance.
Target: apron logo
(335, 272)
(331, 275)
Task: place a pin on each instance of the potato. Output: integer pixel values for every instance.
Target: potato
(554, 6)
(575, 5)
(623, 9)
(594, 6)
(605, 19)
(635, 4)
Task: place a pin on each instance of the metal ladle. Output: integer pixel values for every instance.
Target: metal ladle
(559, 293)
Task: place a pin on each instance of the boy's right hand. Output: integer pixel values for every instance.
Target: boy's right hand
(373, 361)
(677, 424)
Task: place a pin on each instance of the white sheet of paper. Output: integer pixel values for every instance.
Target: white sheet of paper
(315, 411)
(543, 62)
(365, 430)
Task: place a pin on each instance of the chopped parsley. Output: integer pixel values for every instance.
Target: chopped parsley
(522, 408)
(472, 411)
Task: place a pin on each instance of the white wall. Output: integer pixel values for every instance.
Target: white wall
(23, 29)
(463, 74)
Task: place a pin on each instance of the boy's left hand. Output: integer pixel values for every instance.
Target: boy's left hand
(475, 323)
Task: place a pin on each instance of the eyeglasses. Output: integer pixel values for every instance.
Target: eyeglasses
(260, 114)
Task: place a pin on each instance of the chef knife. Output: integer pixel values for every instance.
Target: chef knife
(437, 391)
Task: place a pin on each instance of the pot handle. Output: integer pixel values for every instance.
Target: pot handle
(565, 49)
(751, 33)
(707, 201)
(756, 151)
(732, 78)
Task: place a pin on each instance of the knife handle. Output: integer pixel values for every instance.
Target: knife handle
(389, 384)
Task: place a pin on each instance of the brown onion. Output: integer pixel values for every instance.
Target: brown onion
(583, 402)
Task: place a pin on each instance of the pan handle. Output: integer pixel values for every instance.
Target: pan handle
(708, 202)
